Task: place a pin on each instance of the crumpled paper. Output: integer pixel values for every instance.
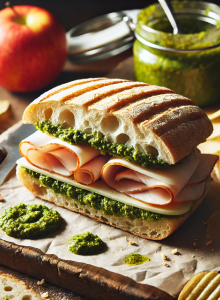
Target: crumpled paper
(190, 240)
(196, 251)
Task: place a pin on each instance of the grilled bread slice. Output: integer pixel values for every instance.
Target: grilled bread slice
(151, 119)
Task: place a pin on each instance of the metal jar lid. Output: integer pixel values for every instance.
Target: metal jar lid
(102, 37)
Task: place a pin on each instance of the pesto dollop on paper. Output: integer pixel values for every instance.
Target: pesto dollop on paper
(134, 259)
(29, 221)
(85, 243)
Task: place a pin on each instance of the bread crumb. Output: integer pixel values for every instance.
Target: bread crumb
(1, 199)
(41, 282)
(163, 256)
(208, 243)
(132, 243)
(174, 251)
(165, 264)
(45, 295)
(193, 256)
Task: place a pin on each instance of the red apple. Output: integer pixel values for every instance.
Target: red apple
(33, 48)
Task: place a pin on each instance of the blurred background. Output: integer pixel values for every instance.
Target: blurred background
(73, 12)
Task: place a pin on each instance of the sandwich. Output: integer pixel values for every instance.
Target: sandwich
(120, 152)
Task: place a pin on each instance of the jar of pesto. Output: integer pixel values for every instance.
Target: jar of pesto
(188, 63)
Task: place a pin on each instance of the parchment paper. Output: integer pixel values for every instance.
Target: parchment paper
(196, 252)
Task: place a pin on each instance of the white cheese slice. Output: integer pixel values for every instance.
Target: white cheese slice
(176, 175)
(100, 188)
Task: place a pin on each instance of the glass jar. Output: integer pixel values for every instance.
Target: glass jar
(188, 63)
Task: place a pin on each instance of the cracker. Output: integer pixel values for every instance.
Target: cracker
(203, 286)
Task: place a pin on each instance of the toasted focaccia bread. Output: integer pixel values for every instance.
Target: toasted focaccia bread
(151, 119)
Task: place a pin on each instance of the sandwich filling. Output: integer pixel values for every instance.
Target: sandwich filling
(96, 140)
(96, 194)
(185, 182)
(102, 203)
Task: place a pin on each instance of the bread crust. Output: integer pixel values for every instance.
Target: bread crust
(148, 229)
(147, 115)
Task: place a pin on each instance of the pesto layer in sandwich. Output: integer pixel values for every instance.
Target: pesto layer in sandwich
(108, 206)
(75, 136)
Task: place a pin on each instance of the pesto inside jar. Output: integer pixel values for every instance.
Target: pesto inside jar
(30, 221)
(85, 243)
(75, 136)
(192, 74)
(109, 207)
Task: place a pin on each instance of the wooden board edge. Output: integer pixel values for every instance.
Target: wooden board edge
(84, 279)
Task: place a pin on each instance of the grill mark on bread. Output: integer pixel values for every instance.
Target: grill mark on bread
(173, 118)
(123, 99)
(148, 109)
(67, 86)
(149, 115)
(90, 87)
(105, 92)
(173, 142)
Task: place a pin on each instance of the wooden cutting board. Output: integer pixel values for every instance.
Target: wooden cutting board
(84, 279)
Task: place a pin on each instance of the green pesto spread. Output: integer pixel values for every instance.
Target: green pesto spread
(188, 25)
(75, 136)
(85, 243)
(29, 221)
(108, 206)
(192, 74)
(134, 259)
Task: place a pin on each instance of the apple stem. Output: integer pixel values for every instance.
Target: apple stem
(8, 4)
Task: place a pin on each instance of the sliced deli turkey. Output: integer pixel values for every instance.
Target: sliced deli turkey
(121, 152)
(153, 186)
(163, 187)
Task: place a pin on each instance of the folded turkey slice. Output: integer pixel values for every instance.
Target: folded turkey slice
(186, 181)
(55, 155)
(91, 171)
(182, 182)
